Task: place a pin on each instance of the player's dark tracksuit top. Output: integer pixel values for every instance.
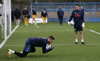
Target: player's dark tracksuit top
(34, 12)
(78, 17)
(26, 13)
(60, 13)
(17, 13)
(44, 14)
(39, 42)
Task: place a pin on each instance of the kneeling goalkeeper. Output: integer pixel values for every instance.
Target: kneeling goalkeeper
(30, 45)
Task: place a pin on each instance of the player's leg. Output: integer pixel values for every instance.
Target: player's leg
(24, 53)
(33, 19)
(28, 48)
(18, 21)
(19, 54)
(44, 20)
(76, 38)
(81, 35)
(32, 49)
(76, 34)
(26, 21)
(61, 20)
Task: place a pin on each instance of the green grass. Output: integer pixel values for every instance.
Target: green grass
(64, 35)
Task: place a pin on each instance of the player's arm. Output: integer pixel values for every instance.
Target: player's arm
(72, 15)
(47, 48)
(63, 13)
(82, 18)
(83, 22)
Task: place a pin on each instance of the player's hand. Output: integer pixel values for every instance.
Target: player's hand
(48, 46)
(50, 49)
(83, 25)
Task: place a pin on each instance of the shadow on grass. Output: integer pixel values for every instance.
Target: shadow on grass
(16, 58)
(39, 56)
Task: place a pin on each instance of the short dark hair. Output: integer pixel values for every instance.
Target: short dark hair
(52, 37)
(78, 5)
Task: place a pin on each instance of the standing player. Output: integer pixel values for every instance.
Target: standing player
(78, 17)
(44, 16)
(60, 14)
(30, 45)
(17, 15)
(26, 16)
(34, 16)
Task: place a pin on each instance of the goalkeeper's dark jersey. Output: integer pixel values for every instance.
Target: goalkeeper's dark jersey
(77, 16)
(39, 42)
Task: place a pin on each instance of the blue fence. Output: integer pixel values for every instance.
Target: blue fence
(92, 10)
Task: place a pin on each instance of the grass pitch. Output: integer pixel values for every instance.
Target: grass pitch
(65, 49)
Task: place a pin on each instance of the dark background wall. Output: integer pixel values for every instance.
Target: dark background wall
(28, 1)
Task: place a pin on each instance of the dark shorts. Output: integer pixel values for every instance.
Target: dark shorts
(78, 28)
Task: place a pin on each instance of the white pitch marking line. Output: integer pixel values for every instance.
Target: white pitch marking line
(2, 44)
(94, 32)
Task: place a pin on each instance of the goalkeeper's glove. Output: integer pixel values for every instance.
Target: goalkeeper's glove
(71, 23)
(83, 25)
(68, 23)
(48, 46)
